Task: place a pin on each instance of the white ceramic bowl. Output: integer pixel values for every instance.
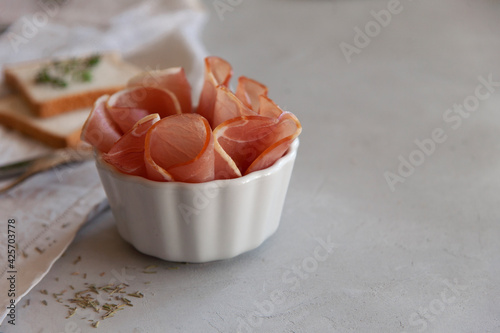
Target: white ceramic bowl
(198, 222)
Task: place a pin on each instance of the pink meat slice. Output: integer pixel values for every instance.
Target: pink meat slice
(218, 72)
(249, 92)
(99, 129)
(228, 106)
(128, 106)
(172, 79)
(180, 148)
(256, 142)
(245, 138)
(289, 129)
(268, 108)
(127, 154)
(225, 167)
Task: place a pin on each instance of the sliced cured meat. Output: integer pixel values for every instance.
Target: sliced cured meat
(268, 108)
(249, 92)
(218, 72)
(180, 148)
(225, 168)
(99, 129)
(270, 156)
(165, 141)
(128, 106)
(256, 142)
(289, 129)
(228, 106)
(127, 154)
(245, 138)
(172, 79)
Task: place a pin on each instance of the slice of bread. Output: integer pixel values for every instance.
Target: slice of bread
(109, 75)
(59, 131)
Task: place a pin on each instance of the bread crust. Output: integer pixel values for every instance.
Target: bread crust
(27, 125)
(66, 102)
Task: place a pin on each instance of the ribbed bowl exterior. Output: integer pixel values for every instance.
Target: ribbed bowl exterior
(198, 222)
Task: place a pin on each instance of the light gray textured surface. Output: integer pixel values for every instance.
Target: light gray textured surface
(422, 258)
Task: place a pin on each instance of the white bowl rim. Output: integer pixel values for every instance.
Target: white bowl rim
(289, 155)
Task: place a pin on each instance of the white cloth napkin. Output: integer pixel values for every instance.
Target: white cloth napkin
(49, 208)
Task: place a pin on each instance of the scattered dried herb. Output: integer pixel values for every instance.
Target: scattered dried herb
(112, 303)
(148, 269)
(126, 301)
(108, 303)
(94, 289)
(77, 260)
(136, 294)
(27, 303)
(71, 312)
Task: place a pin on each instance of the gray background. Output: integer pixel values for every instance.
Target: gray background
(421, 258)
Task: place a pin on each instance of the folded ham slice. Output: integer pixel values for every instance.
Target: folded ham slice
(288, 129)
(180, 148)
(228, 106)
(225, 167)
(218, 72)
(128, 106)
(256, 142)
(172, 79)
(127, 154)
(249, 91)
(231, 135)
(268, 108)
(99, 129)
(245, 138)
